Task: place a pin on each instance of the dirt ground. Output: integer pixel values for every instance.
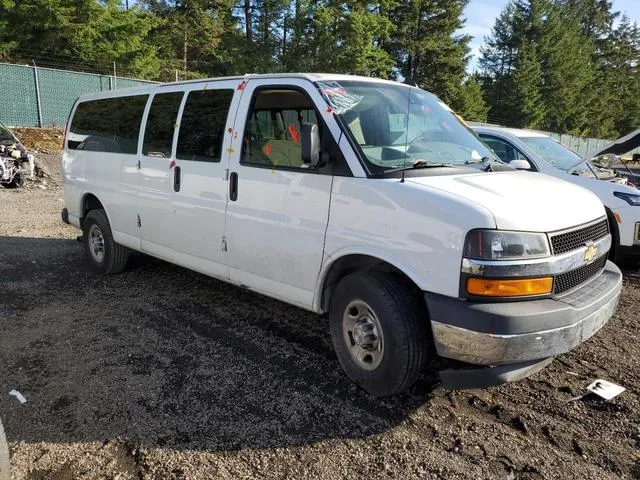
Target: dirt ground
(162, 373)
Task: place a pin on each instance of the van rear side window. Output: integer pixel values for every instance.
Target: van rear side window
(161, 123)
(107, 125)
(202, 125)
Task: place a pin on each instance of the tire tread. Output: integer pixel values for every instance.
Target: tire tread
(397, 296)
(117, 255)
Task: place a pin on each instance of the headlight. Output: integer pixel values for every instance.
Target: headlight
(503, 245)
(630, 198)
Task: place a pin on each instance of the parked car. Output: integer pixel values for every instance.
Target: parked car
(538, 152)
(363, 198)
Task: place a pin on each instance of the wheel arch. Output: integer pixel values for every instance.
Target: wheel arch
(615, 233)
(88, 202)
(346, 262)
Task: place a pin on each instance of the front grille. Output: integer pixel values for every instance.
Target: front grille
(572, 279)
(567, 241)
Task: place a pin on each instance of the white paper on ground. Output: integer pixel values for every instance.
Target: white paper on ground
(18, 395)
(605, 389)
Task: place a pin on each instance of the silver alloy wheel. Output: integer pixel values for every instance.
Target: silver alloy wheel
(362, 334)
(96, 243)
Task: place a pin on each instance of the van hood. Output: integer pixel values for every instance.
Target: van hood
(523, 201)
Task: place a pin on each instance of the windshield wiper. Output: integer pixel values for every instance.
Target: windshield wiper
(428, 164)
(482, 160)
(420, 164)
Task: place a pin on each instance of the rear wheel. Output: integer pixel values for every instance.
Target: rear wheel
(103, 253)
(378, 328)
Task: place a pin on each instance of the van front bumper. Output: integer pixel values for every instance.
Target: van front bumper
(521, 333)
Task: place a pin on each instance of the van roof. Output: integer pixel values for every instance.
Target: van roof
(313, 77)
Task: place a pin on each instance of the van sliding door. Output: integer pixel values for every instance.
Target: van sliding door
(156, 172)
(199, 188)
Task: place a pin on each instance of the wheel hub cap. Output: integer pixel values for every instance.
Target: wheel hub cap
(362, 334)
(96, 243)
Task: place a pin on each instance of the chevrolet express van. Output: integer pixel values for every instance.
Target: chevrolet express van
(361, 198)
(541, 153)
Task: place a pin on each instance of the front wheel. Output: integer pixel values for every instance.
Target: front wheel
(379, 331)
(103, 253)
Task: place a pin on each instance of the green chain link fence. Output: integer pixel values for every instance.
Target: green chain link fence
(41, 97)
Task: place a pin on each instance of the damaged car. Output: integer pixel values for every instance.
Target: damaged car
(538, 152)
(610, 158)
(15, 163)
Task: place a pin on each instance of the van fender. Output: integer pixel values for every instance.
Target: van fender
(384, 256)
(83, 197)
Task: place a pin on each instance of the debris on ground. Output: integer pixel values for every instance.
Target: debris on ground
(40, 140)
(605, 389)
(16, 164)
(19, 396)
(28, 156)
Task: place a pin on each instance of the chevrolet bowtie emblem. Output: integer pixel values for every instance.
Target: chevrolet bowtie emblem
(590, 253)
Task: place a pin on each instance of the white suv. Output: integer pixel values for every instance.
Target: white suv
(363, 198)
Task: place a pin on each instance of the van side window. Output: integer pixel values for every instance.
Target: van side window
(202, 125)
(107, 125)
(161, 122)
(274, 125)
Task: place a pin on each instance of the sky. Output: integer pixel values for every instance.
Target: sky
(481, 15)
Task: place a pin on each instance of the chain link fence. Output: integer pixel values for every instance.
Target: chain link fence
(32, 96)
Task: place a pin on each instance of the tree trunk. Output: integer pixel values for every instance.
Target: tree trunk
(296, 24)
(247, 18)
(265, 23)
(184, 52)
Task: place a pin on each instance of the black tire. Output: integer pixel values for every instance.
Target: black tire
(16, 182)
(403, 320)
(114, 256)
(614, 255)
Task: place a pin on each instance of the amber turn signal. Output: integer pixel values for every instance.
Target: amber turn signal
(489, 287)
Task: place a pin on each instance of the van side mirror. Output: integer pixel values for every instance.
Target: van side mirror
(310, 144)
(520, 164)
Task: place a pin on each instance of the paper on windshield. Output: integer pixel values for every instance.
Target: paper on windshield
(337, 97)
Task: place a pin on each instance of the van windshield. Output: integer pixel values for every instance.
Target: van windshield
(396, 126)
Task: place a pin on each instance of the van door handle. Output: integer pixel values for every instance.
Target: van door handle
(176, 178)
(233, 186)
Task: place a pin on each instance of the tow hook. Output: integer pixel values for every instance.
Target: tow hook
(79, 238)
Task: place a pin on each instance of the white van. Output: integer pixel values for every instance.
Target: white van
(541, 153)
(363, 198)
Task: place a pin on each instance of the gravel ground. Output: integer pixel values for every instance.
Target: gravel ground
(161, 372)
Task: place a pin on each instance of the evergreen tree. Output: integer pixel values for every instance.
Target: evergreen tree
(425, 47)
(189, 35)
(623, 64)
(538, 68)
(568, 72)
(79, 33)
(469, 101)
(526, 97)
